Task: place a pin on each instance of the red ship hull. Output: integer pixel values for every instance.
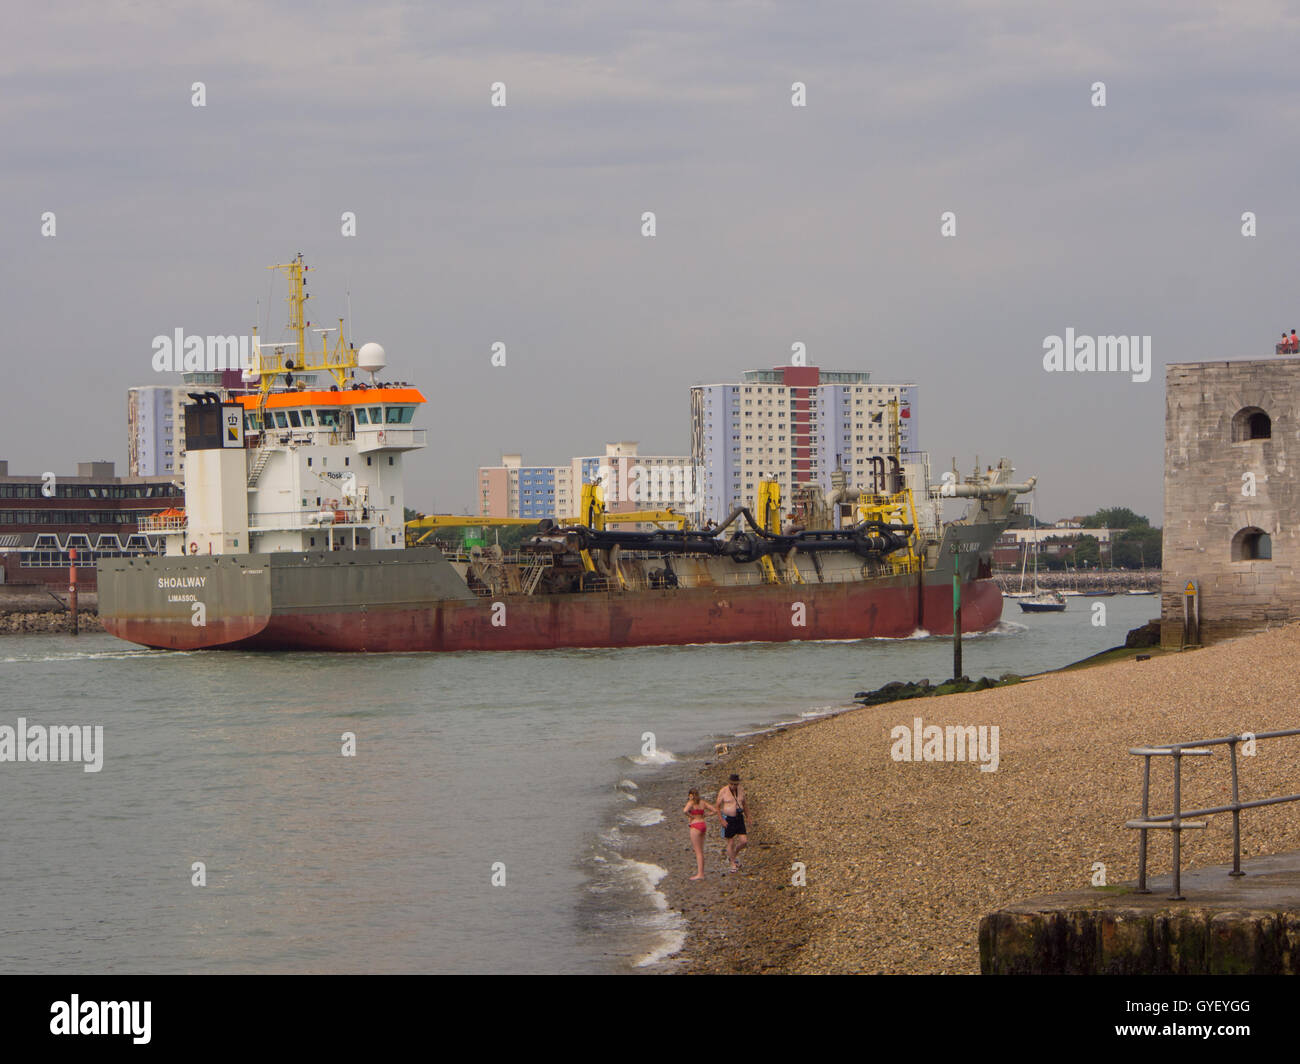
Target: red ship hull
(668, 618)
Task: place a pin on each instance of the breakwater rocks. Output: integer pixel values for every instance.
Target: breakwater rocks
(51, 621)
(898, 691)
(34, 608)
(1148, 635)
(1114, 581)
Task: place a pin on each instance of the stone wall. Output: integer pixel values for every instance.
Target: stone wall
(1120, 941)
(1207, 405)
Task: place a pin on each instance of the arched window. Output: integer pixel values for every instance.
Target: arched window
(1252, 545)
(1251, 423)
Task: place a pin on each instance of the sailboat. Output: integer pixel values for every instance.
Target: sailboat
(1022, 593)
(1143, 590)
(1042, 601)
(1073, 589)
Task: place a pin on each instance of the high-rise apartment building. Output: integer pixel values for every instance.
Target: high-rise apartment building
(151, 423)
(793, 424)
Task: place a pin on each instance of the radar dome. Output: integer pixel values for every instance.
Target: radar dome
(371, 358)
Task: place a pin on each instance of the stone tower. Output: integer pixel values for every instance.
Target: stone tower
(1232, 496)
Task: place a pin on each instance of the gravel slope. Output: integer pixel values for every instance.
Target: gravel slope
(902, 859)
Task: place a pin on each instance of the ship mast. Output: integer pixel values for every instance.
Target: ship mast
(339, 363)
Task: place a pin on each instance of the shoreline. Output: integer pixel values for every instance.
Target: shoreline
(26, 608)
(714, 908)
(901, 860)
(47, 622)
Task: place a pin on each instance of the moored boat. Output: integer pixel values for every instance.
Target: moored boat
(1044, 602)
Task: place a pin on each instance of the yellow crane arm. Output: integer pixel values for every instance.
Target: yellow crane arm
(657, 517)
(418, 530)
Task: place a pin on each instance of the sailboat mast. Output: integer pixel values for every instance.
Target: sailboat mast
(1034, 522)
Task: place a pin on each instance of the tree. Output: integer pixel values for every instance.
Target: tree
(1115, 517)
(1137, 548)
(1087, 551)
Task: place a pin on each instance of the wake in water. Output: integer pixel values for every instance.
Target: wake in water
(96, 655)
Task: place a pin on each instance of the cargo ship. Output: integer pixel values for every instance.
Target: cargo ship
(293, 537)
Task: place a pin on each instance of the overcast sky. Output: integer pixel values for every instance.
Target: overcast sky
(776, 224)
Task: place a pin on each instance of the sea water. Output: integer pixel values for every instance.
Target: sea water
(464, 812)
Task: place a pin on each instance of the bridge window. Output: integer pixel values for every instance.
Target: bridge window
(293, 420)
(1251, 423)
(1252, 545)
(362, 419)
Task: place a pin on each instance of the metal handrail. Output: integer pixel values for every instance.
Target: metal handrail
(1175, 821)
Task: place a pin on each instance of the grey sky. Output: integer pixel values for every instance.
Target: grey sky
(775, 224)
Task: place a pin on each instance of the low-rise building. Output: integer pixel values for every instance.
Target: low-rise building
(43, 516)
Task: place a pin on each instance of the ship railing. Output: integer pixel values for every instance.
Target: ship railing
(523, 559)
(746, 578)
(163, 523)
(294, 520)
(1177, 821)
(529, 566)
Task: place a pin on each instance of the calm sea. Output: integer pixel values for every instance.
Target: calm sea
(469, 768)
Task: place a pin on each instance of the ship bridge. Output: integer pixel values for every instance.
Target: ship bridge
(373, 418)
(294, 467)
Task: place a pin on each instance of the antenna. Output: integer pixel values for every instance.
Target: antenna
(351, 332)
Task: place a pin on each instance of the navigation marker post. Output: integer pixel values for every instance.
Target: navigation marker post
(72, 587)
(956, 612)
(1191, 615)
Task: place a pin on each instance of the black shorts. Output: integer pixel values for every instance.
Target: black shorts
(733, 825)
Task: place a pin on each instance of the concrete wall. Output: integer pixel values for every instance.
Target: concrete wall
(1205, 507)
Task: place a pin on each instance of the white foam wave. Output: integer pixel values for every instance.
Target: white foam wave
(919, 633)
(822, 711)
(643, 816)
(659, 757)
(673, 938)
(667, 925)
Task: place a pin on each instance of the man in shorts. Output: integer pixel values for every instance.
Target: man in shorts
(731, 804)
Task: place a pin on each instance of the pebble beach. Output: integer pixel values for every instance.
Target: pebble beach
(899, 860)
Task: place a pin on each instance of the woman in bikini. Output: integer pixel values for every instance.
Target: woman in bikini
(695, 811)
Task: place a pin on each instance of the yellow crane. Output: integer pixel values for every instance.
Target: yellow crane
(593, 510)
(768, 516)
(598, 518)
(419, 529)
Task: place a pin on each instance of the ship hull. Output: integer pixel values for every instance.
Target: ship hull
(414, 601)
